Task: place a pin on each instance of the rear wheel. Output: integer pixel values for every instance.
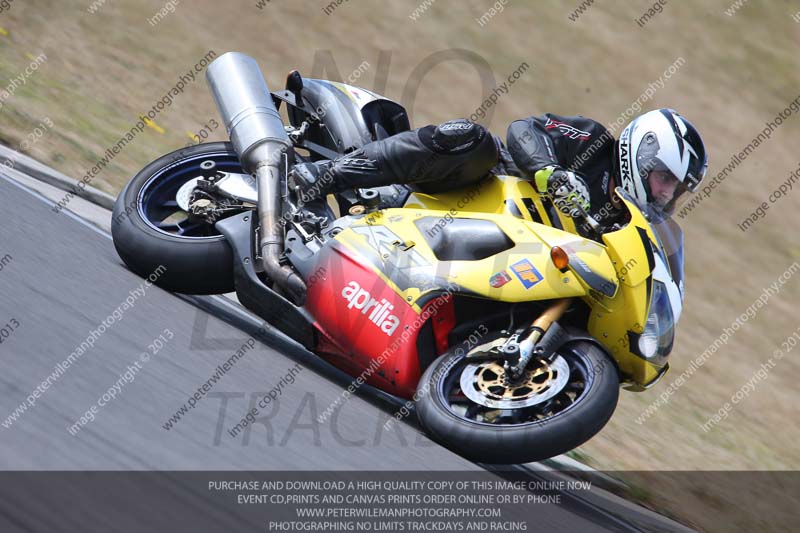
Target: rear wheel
(475, 410)
(150, 229)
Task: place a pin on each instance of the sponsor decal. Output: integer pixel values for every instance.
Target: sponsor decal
(566, 129)
(378, 312)
(447, 126)
(527, 273)
(624, 159)
(386, 242)
(499, 279)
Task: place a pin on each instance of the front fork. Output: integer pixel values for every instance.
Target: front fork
(540, 340)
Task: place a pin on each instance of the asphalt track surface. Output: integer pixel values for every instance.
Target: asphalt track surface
(63, 280)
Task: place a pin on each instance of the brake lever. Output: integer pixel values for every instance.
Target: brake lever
(589, 219)
(593, 225)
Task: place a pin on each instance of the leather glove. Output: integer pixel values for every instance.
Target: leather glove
(568, 190)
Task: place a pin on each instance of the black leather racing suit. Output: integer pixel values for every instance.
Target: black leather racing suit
(573, 143)
(433, 158)
(458, 152)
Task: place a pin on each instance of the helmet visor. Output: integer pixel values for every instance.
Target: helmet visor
(647, 161)
(667, 193)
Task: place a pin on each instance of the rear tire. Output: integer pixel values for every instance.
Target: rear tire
(527, 441)
(193, 264)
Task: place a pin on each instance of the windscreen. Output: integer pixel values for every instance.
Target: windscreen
(671, 237)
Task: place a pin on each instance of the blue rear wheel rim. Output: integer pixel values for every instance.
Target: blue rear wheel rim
(156, 199)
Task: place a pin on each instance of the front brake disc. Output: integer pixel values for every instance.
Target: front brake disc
(488, 384)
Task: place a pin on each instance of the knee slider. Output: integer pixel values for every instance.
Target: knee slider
(453, 137)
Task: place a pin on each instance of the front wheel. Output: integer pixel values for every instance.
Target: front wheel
(473, 409)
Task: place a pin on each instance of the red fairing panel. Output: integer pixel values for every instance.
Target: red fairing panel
(365, 327)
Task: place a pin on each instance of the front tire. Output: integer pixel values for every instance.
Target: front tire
(196, 258)
(506, 435)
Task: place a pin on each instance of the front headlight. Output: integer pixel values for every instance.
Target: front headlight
(655, 343)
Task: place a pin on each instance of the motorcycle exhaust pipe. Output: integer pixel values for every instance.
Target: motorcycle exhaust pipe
(260, 140)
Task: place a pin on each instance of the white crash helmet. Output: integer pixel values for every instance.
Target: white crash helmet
(659, 157)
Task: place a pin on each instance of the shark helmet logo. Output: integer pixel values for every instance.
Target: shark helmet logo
(378, 312)
(625, 159)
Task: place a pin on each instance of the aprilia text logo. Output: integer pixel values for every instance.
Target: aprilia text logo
(359, 298)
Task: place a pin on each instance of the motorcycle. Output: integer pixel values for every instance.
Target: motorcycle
(508, 327)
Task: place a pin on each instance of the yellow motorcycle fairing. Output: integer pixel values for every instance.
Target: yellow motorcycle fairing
(396, 243)
(613, 278)
(618, 322)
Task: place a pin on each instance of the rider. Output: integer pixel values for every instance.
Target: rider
(574, 160)
(659, 156)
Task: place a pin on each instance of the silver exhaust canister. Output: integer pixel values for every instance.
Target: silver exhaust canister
(256, 131)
